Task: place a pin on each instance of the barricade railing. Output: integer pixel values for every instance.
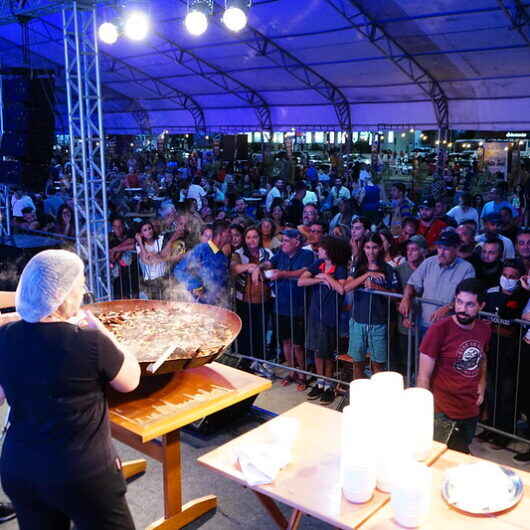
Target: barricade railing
(274, 340)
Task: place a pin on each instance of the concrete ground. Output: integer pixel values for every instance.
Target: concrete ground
(237, 507)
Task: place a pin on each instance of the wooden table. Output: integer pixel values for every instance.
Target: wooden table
(310, 483)
(443, 517)
(149, 420)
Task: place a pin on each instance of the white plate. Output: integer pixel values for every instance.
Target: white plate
(472, 503)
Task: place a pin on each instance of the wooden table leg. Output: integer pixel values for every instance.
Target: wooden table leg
(273, 510)
(176, 515)
(294, 521)
(133, 467)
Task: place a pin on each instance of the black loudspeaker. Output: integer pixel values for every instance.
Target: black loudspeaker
(30, 176)
(222, 419)
(28, 117)
(234, 147)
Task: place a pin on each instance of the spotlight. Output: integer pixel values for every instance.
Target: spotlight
(235, 16)
(402, 135)
(411, 130)
(196, 20)
(136, 26)
(108, 33)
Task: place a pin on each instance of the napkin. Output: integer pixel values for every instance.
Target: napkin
(261, 461)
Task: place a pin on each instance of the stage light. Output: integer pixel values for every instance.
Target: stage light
(235, 19)
(411, 130)
(402, 135)
(136, 26)
(108, 33)
(196, 22)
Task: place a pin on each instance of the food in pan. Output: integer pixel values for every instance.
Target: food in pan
(149, 332)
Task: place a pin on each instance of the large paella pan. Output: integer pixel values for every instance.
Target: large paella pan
(196, 333)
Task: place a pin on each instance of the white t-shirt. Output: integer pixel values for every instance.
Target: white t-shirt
(273, 193)
(460, 215)
(19, 204)
(509, 250)
(152, 271)
(196, 192)
(310, 197)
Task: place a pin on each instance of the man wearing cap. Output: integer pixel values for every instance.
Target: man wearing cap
(492, 225)
(429, 227)
(287, 266)
(436, 279)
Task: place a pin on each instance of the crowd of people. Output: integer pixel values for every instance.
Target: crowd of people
(316, 265)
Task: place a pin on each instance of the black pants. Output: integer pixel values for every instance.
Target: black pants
(502, 380)
(95, 503)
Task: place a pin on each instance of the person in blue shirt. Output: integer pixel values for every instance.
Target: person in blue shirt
(204, 270)
(287, 266)
(326, 278)
(498, 201)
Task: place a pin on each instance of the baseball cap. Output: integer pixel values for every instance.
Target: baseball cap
(449, 238)
(292, 233)
(418, 240)
(493, 218)
(426, 203)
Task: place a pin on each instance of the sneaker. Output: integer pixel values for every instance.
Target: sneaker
(7, 512)
(328, 396)
(522, 458)
(499, 442)
(485, 436)
(266, 371)
(315, 393)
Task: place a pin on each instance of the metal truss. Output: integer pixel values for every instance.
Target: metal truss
(5, 211)
(215, 75)
(11, 9)
(353, 11)
(266, 47)
(87, 141)
(156, 87)
(517, 15)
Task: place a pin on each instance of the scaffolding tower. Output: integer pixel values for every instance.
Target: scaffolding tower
(87, 143)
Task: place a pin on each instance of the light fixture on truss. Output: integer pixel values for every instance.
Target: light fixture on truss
(235, 15)
(196, 20)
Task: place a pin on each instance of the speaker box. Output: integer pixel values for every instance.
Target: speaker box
(28, 118)
(30, 176)
(234, 147)
(219, 420)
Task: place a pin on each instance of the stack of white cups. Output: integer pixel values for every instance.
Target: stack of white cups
(418, 423)
(389, 442)
(411, 494)
(358, 455)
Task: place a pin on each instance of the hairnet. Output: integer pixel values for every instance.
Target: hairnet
(45, 283)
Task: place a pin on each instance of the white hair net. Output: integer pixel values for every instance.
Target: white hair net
(45, 283)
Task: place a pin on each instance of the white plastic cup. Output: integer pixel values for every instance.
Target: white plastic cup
(411, 495)
(358, 483)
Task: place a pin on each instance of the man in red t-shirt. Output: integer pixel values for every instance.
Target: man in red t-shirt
(453, 363)
(429, 227)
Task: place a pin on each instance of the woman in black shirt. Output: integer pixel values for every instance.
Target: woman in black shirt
(58, 462)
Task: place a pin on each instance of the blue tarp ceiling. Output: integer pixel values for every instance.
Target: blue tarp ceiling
(480, 61)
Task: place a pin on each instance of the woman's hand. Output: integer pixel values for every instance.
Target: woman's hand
(138, 239)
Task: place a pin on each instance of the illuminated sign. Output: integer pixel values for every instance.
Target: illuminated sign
(516, 135)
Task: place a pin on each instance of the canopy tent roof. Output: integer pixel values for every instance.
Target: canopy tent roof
(307, 64)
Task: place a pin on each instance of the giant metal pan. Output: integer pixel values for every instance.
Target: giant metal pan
(175, 361)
